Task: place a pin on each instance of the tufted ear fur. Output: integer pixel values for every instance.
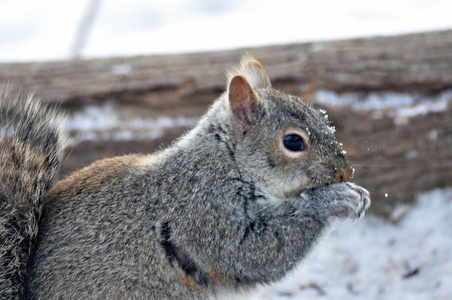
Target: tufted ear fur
(243, 101)
(253, 70)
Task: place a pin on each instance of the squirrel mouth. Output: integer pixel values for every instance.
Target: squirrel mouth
(324, 175)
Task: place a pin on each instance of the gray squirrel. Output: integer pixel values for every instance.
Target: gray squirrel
(237, 202)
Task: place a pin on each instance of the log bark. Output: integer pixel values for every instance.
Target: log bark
(415, 62)
(394, 159)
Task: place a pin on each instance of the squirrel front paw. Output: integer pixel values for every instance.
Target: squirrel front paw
(343, 200)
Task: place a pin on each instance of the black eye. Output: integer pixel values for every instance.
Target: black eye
(294, 142)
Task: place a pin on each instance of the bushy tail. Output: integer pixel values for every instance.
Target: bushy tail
(31, 148)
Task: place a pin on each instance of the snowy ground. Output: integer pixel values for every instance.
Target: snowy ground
(374, 259)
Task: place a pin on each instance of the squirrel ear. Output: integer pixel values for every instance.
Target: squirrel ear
(243, 100)
(253, 71)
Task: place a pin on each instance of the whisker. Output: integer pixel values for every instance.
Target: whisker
(383, 166)
(356, 153)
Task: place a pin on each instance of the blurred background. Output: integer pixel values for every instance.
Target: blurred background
(51, 29)
(135, 75)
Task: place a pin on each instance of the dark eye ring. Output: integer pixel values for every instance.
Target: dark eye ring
(294, 142)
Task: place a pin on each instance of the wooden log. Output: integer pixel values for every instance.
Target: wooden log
(415, 62)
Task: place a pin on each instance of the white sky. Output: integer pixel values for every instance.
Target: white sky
(46, 29)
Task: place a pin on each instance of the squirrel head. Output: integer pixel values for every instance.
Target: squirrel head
(282, 142)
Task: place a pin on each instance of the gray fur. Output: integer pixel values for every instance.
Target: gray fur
(222, 210)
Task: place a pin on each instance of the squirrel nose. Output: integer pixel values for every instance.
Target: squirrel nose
(343, 175)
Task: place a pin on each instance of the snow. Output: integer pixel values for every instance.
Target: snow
(396, 105)
(433, 134)
(123, 69)
(423, 108)
(47, 29)
(104, 123)
(376, 259)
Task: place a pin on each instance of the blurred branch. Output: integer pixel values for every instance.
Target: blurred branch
(84, 28)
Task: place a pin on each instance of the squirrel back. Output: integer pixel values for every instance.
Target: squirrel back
(31, 148)
(237, 202)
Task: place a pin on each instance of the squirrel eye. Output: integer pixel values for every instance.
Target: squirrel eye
(294, 142)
